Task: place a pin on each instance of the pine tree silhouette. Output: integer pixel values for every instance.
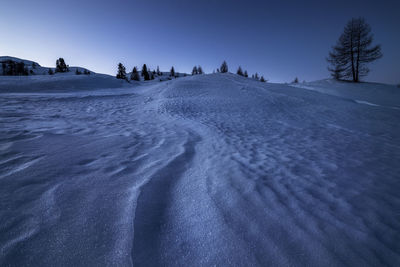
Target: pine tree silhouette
(195, 71)
(224, 67)
(239, 71)
(135, 74)
(61, 66)
(121, 74)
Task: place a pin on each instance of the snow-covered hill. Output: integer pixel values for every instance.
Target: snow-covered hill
(35, 68)
(39, 79)
(28, 63)
(203, 170)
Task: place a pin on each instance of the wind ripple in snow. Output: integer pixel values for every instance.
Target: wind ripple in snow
(206, 170)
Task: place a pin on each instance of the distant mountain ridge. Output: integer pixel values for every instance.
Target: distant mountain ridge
(34, 68)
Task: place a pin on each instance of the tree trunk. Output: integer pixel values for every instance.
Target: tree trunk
(358, 53)
(352, 52)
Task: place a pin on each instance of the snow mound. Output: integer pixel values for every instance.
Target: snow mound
(58, 83)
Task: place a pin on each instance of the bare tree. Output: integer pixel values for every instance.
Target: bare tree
(353, 51)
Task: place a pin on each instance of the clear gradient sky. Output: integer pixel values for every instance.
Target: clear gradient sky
(278, 39)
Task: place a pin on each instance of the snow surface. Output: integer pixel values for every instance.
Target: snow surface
(364, 93)
(60, 82)
(197, 171)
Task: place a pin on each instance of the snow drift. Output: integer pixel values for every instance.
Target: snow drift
(203, 170)
(57, 83)
(365, 93)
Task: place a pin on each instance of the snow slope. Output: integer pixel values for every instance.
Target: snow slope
(60, 82)
(363, 93)
(204, 170)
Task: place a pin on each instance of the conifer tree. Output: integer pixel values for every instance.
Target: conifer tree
(246, 74)
(145, 73)
(21, 69)
(239, 71)
(135, 74)
(121, 74)
(146, 76)
(262, 79)
(4, 66)
(172, 72)
(61, 66)
(195, 71)
(200, 70)
(224, 67)
(144, 70)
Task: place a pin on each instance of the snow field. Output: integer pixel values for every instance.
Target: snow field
(204, 170)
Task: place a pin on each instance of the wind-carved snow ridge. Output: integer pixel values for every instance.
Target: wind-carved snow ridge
(153, 202)
(198, 171)
(372, 104)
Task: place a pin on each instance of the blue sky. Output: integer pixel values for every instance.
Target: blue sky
(278, 39)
